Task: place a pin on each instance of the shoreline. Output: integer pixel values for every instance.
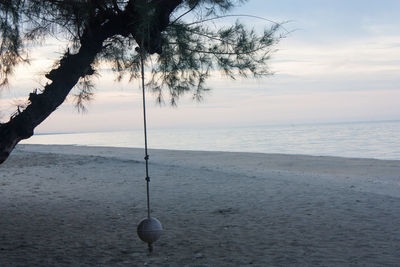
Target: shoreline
(41, 148)
(69, 205)
(371, 175)
(370, 140)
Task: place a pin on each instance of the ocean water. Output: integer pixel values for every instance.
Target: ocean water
(379, 140)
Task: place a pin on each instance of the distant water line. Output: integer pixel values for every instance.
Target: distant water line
(361, 140)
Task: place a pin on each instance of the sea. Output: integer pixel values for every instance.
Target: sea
(378, 139)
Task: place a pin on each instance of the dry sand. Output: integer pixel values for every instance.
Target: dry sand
(79, 206)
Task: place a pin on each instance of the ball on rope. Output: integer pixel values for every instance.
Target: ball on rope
(149, 230)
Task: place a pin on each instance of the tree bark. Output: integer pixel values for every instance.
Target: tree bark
(74, 66)
(64, 78)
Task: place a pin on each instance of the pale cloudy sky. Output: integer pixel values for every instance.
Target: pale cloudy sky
(341, 63)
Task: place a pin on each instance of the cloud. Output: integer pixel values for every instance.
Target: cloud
(341, 65)
(358, 57)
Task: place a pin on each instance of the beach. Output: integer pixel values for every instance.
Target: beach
(66, 205)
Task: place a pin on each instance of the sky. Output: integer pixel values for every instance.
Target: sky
(340, 63)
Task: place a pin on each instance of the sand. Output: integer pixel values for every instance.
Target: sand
(79, 206)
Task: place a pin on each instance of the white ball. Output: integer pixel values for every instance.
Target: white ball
(149, 230)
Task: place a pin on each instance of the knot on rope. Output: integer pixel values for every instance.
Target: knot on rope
(149, 229)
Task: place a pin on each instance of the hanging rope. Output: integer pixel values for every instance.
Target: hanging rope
(149, 229)
(146, 157)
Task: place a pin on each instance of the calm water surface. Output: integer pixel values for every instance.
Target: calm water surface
(364, 139)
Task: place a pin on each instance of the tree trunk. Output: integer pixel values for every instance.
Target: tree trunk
(64, 78)
(74, 66)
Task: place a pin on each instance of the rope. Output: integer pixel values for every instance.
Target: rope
(146, 157)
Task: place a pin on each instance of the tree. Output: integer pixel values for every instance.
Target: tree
(115, 32)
